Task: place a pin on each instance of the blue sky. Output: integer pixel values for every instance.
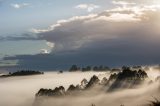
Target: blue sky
(36, 14)
(114, 32)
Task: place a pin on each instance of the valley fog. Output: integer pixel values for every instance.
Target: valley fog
(20, 91)
(133, 97)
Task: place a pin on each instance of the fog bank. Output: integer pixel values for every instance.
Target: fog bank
(20, 91)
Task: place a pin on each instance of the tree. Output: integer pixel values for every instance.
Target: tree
(74, 68)
(95, 68)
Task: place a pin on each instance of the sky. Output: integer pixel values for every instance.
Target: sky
(54, 34)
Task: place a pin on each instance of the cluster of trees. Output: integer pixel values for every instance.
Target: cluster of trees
(89, 68)
(126, 78)
(60, 91)
(127, 73)
(156, 102)
(23, 73)
(100, 68)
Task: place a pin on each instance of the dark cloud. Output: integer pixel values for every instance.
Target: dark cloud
(19, 38)
(120, 24)
(112, 53)
(121, 36)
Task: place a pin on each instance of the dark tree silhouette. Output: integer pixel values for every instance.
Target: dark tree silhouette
(23, 73)
(73, 88)
(58, 91)
(156, 102)
(130, 77)
(101, 68)
(88, 68)
(93, 81)
(104, 81)
(74, 68)
(115, 81)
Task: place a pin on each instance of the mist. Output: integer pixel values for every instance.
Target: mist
(133, 97)
(20, 91)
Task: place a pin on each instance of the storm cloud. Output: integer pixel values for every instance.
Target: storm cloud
(122, 35)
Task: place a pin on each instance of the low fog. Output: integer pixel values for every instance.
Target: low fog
(20, 91)
(133, 97)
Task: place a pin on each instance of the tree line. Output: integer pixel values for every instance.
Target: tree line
(88, 68)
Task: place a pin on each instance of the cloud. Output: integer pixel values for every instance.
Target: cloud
(121, 17)
(148, 2)
(118, 36)
(47, 51)
(88, 7)
(44, 51)
(124, 3)
(111, 24)
(18, 6)
(50, 44)
(19, 38)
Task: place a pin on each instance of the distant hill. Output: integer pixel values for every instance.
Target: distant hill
(22, 73)
(75, 68)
